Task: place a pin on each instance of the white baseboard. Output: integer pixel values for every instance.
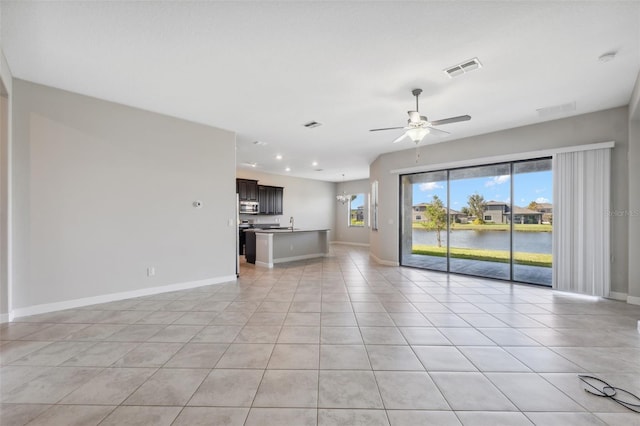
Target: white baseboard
(618, 296)
(301, 257)
(383, 262)
(5, 318)
(291, 259)
(86, 301)
(634, 300)
(348, 243)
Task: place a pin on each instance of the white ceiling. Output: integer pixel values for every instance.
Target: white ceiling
(262, 69)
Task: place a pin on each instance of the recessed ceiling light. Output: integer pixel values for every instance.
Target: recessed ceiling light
(254, 164)
(288, 169)
(260, 143)
(278, 157)
(606, 57)
(315, 163)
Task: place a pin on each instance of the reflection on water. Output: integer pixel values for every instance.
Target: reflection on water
(529, 242)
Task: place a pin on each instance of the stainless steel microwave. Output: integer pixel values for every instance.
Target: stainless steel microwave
(249, 207)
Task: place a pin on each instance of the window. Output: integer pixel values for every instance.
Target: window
(418, 217)
(487, 218)
(356, 210)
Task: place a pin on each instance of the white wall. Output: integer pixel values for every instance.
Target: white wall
(310, 202)
(602, 126)
(102, 191)
(5, 152)
(345, 233)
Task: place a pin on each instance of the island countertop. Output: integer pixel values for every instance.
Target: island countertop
(266, 247)
(286, 230)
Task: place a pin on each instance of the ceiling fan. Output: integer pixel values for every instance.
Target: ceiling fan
(419, 126)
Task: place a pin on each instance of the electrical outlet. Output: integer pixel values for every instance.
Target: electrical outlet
(151, 271)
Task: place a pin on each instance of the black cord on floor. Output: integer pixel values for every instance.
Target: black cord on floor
(611, 392)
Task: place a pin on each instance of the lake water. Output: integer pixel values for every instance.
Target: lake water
(529, 242)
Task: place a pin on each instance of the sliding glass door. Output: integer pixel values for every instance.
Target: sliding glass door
(491, 221)
(480, 239)
(424, 236)
(532, 221)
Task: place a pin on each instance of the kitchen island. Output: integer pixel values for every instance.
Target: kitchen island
(286, 245)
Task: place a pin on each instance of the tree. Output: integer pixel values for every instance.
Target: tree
(533, 206)
(477, 206)
(465, 211)
(436, 217)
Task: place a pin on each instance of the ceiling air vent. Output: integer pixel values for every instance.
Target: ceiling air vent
(557, 109)
(312, 124)
(463, 67)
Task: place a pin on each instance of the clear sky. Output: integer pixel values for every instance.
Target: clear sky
(357, 202)
(528, 187)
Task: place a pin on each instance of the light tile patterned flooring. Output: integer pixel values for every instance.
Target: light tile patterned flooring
(337, 341)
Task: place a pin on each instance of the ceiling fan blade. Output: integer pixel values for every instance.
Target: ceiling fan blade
(451, 120)
(386, 128)
(399, 138)
(437, 132)
(414, 116)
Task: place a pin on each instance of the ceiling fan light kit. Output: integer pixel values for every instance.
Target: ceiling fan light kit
(418, 126)
(417, 134)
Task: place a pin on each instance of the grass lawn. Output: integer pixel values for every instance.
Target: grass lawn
(502, 256)
(494, 227)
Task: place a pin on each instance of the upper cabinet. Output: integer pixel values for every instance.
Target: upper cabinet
(247, 189)
(270, 199)
(278, 195)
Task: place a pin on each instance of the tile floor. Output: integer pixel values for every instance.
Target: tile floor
(337, 341)
(521, 273)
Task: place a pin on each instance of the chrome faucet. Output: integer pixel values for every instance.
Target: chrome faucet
(291, 222)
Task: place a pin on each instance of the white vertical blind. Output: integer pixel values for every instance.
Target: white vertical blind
(581, 233)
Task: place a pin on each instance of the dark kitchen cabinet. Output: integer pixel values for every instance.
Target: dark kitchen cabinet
(270, 199)
(263, 199)
(247, 189)
(278, 195)
(250, 246)
(242, 240)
